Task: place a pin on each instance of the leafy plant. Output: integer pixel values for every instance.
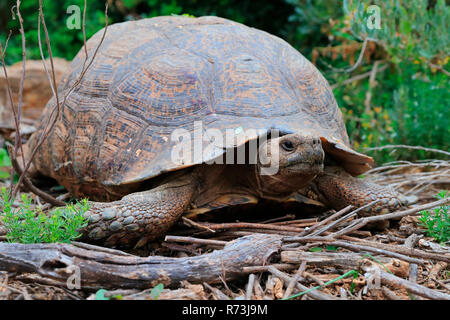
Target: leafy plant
(437, 223)
(5, 161)
(27, 225)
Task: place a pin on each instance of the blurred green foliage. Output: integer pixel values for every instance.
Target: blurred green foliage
(407, 101)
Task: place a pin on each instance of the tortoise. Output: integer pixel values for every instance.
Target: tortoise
(113, 139)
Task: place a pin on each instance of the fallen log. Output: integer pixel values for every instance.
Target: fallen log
(109, 270)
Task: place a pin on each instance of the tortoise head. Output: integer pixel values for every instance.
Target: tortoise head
(288, 163)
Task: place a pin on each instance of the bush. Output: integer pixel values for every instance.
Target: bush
(437, 223)
(27, 225)
(409, 100)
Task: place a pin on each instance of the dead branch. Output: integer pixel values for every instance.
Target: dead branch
(360, 57)
(398, 146)
(250, 285)
(361, 222)
(315, 294)
(279, 266)
(397, 282)
(325, 221)
(358, 77)
(108, 270)
(216, 243)
(372, 84)
(242, 225)
(385, 251)
(346, 217)
(390, 294)
(296, 278)
(348, 260)
(54, 117)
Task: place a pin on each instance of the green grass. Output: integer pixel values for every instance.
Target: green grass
(438, 222)
(28, 225)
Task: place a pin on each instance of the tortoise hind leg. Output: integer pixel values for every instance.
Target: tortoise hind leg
(140, 216)
(339, 189)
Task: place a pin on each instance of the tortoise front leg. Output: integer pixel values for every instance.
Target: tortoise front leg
(141, 216)
(339, 189)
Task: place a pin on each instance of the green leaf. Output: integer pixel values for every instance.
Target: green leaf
(156, 291)
(315, 249)
(100, 295)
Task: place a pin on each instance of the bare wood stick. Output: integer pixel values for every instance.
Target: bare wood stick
(356, 225)
(325, 221)
(195, 240)
(356, 247)
(372, 84)
(410, 243)
(51, 123)
(358, 77)
(348, 260)
(442, 284)
(296, 278)
(392, 280)
(315, 294)
(194, 224)
(347, 216)
(390, 294)
(288, 216)
(241, 225)
(401, 146)
(434, 272)
(408, 251)
(18, 138)
(219, 295)
(313, 278)
(396, 215)
(360, 57)
(279, 266)
(62, 197)
(250, 285)
(298, 223)
(8, 87)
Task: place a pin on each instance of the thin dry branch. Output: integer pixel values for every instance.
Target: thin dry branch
(360, 57)
(358, 77)
(315, 294)
(394, 281)
(54, 117)
(401, 146)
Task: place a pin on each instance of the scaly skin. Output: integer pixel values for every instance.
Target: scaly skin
(339, 189)
(141, 216)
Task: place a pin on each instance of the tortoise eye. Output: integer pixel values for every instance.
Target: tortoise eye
(287, 145)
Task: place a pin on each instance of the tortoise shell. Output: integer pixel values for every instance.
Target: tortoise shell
(152, 76)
